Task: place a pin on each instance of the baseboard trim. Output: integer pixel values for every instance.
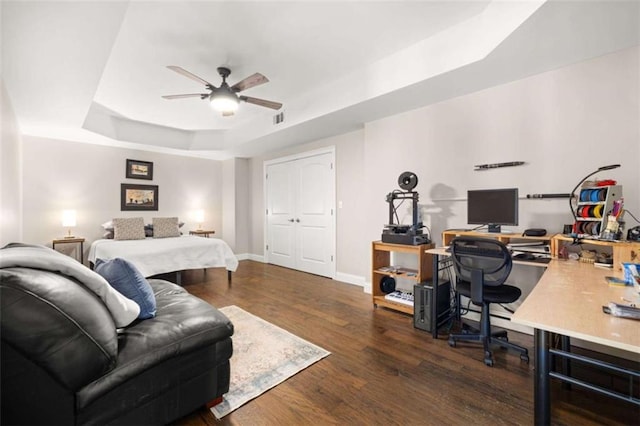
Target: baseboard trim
(255, 258)
(350, 279)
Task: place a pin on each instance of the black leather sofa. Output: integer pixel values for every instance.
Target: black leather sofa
(65, 363)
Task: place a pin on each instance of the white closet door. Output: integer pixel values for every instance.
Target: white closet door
(300, 207)
(314, 207)
(281, 215)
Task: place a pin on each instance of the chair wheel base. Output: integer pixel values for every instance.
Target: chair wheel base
(452, 343)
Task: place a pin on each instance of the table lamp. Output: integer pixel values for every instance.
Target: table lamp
(69, 221)
(198, 215)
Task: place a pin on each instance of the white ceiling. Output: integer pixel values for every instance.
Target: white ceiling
(94, 71)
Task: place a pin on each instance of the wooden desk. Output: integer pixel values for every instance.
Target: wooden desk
(568, 301)
(504, 238)
(442, 251)
(622, 251)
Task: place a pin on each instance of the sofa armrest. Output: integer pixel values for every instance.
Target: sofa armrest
(58, 324)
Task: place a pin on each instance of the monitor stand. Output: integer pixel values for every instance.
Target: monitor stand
(494, 228)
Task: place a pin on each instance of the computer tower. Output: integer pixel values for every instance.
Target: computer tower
(423, 300)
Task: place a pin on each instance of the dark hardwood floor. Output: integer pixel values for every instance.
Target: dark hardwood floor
(382, 371)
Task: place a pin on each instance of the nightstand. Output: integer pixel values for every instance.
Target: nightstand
(202, 233)
(79, 247)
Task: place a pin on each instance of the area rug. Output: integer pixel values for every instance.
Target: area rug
(264, 356)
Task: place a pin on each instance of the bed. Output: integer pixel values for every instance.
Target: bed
(153, 256)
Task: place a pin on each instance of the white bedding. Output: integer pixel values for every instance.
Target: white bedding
(160, 255)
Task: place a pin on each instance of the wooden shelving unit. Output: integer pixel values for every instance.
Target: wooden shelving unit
(622, 251)
(381, 260)
(447, 236)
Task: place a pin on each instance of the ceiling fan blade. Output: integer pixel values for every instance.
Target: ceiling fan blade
(189, 75)
(249, 82)
(190, 95)
(261, 102)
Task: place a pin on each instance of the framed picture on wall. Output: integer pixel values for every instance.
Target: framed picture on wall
(138, 197)
(137, 169)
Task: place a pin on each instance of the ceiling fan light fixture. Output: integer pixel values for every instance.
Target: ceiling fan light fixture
(224, 99)
(224, 102)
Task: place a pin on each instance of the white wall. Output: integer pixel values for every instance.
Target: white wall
(236, 202)
(229, 201)
(10, 172)
(242, 210)
(62, 175)
(563, 123)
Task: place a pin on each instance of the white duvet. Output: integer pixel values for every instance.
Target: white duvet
(160, 255)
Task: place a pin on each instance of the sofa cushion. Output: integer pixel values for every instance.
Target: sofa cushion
(62, 326)
(183, 323)
(125, 277)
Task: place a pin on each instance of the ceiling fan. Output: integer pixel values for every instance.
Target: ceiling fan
(225, 98)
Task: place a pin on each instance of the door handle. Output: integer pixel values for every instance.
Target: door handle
(297, 220)
(291, 220)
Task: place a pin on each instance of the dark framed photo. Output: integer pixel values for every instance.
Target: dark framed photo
(138, 197)
(137, 169)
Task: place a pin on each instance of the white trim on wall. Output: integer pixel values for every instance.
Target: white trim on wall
(350, 279)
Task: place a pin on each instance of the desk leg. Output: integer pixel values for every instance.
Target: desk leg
(434, 297)
(541, 383)
(565, 345)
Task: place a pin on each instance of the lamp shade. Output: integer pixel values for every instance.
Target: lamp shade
(68, 218)
(198, 215)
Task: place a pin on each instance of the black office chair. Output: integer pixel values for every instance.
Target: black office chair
(482, 265)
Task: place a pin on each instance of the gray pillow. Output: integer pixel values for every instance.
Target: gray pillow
(164, 227)
(128, 228)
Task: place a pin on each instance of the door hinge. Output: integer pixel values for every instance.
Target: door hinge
(331, 166)
(331, 212)
(267, 210)
(332, 258)
(267, 247)
(266, 176)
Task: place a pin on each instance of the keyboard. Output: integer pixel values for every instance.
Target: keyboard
(397, 296)
(477, 251)
(528, 257)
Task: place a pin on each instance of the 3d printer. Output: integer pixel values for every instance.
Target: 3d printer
(394, 232)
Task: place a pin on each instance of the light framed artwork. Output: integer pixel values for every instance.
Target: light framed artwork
(138, 197)
(137, 169)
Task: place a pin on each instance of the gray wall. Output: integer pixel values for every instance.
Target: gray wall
(563, 123)
(62, 175)
(10, 172)
(236, 204)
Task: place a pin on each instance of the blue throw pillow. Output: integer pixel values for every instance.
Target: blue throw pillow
(125, 277)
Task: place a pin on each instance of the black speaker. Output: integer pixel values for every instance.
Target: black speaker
(423, 301)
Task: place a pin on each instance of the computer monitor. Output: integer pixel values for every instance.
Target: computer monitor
(492, 207)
